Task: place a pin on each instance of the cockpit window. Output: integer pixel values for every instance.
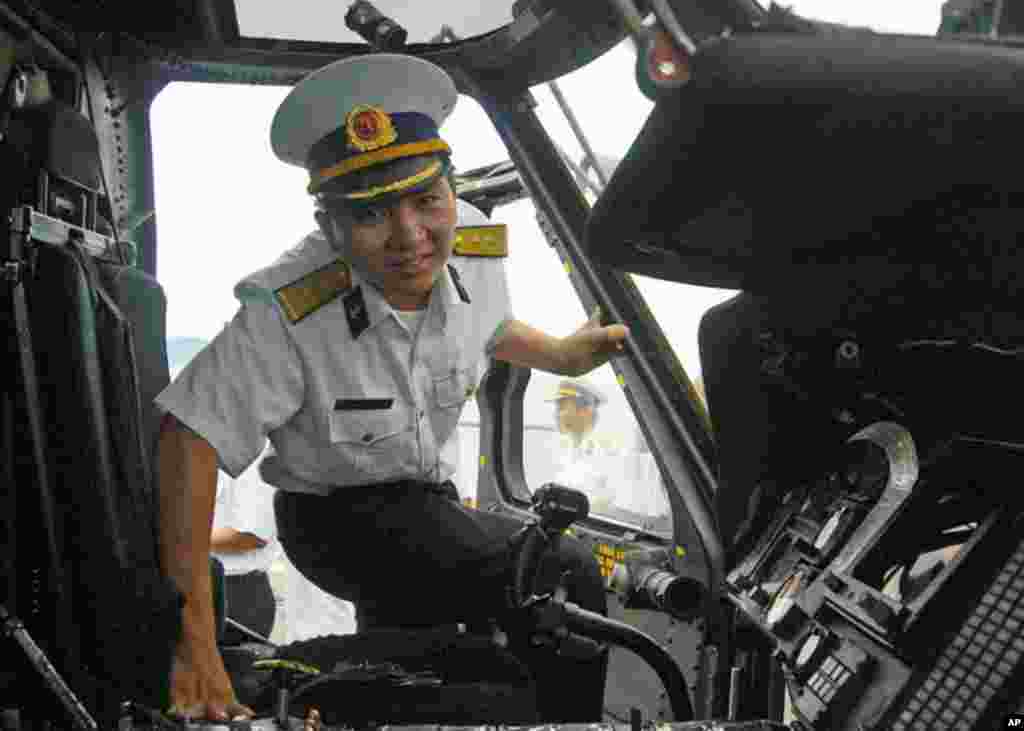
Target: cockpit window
(609, 109)
(226, 206)
(607, 106)
(315, 20)
(581, 432)
(914, 17)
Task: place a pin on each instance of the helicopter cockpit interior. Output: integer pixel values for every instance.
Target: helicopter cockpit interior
(843, 549)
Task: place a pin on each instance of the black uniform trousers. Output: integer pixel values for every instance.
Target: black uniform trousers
(408, 555)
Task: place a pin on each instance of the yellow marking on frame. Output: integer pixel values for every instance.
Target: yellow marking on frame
(483, 460)
(607, 557)
(680, 551)
(621, 380)
(568, 267)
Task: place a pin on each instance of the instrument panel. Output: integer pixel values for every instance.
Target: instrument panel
(872, 581)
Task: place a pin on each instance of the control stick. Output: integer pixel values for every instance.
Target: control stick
(574, 629)
(557, 507)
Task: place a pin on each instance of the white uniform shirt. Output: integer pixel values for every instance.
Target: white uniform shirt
(311, 612)
(246, 504)
(305, 385)
(579, 471)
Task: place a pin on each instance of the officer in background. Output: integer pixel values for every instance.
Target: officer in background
(576, 412)
(354, 354)
(244, 540)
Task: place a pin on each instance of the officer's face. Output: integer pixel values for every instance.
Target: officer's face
(573, 418)
(402, 248)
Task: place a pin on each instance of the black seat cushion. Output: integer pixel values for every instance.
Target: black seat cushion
(480, 683)
(792, 159)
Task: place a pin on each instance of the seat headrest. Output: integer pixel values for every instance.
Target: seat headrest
(56, 138)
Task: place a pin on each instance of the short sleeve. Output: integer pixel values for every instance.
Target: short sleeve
(242, 386)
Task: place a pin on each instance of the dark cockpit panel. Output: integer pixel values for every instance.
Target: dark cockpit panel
(864, 193)
(795, 159)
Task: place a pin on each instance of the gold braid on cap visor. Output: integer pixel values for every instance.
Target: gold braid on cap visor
(426, 174)
(385, 154)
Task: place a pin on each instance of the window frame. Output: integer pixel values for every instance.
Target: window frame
(657, 387)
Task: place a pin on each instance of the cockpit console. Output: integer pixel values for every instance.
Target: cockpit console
(862, 386)
(891, 588)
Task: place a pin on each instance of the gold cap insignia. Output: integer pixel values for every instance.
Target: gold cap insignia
(369, 128)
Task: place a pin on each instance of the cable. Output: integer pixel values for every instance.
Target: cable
(975, 345)
(602, 629)
(251, 634)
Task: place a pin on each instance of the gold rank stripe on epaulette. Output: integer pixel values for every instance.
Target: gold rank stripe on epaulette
(305, 296)
(481, 240)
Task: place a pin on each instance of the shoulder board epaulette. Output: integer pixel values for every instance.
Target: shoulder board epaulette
(481, 240)
(308, 294)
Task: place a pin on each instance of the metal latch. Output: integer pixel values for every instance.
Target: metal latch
(12, 271)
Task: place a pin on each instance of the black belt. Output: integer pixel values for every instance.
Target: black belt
(444, 489)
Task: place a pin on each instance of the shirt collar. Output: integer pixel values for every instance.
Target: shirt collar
(445, 292)
(377, 308)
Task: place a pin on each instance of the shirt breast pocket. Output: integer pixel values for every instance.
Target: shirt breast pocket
(453, 387)
(378, 442)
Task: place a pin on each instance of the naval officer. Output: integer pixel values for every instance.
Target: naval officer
(576, 412)
(354, 354)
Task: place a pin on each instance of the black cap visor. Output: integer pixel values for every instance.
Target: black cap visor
(382, 185)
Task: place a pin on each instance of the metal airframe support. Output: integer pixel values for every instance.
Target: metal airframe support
(679, 439)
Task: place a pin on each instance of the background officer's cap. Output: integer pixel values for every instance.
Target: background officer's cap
(584, 393)
(367, 127)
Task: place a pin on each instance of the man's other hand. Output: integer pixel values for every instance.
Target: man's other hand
(201, 689)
